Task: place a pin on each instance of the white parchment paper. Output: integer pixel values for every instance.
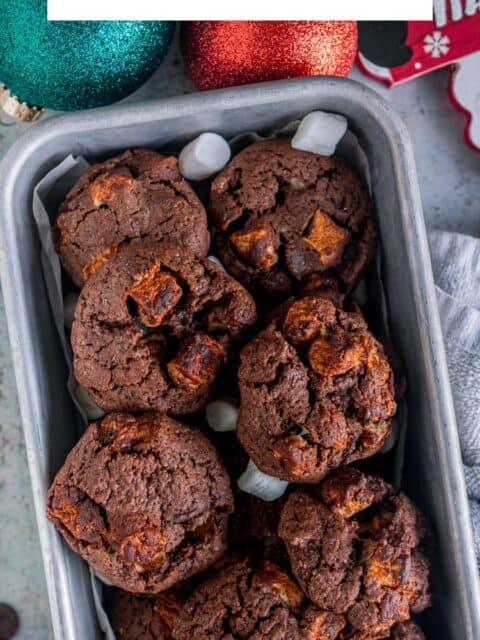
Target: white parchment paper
(51, 189)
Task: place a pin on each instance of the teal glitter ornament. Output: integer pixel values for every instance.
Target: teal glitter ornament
(75, 65)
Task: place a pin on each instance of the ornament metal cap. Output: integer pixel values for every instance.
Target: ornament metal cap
(12, 106)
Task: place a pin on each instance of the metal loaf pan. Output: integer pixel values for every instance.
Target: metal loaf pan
(433, 472)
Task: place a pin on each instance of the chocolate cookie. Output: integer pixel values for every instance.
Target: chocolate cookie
(152, 329)
(407, 631)
(242, 601)
(144, 618)
(316, 392)
(354, 551)
(282, 216)
(400, 631)
(144, 500)
(138, 194)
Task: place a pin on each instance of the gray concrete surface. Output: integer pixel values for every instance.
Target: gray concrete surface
(449, 175)
(22, 584)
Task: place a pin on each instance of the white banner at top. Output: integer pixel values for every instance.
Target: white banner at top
(243, 10)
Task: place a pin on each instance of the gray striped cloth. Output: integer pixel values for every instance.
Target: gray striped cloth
(456, 269)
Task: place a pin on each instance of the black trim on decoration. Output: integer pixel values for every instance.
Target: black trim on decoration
(384, 43)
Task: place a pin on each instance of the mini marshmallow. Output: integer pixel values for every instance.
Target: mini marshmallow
(260, 484)
(204, 156)
(222, 415)
(92, 411)
(69, 304)
(320, 132)
(216, 261)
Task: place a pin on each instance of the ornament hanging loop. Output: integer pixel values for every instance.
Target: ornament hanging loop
(12, 106)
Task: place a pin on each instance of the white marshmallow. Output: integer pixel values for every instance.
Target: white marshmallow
(215, 260)
(92, 411)
(222, 415)
(204, 156)
(260, 484)
(320, 132)
(69, 304)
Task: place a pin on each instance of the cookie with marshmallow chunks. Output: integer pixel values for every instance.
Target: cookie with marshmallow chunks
(281, 216)
(317, 392)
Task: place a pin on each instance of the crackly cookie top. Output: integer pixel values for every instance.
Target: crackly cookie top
(144, 500)
(281, 216)
(152, 329)
(353, 548)
(136, 617)
(244, 601)
(316, 392)
(138, 194)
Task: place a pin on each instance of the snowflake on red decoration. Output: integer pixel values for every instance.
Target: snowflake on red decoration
(436, 44)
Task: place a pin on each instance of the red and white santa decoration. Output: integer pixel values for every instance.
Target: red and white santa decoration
(398, 51)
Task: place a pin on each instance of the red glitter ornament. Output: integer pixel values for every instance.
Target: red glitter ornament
(228, 53)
